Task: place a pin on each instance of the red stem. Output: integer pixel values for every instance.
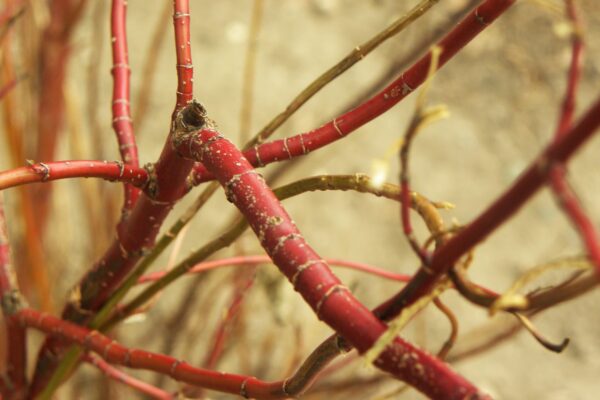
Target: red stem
(257, 260)
(4, 90)
(168, 184)
(310, 275)
(55, 50)
(15, 386)
(574, 74)
(222, 332)
(52, 171)
(120, 376)
(530, 181)
(8, 13)
(122, 123)
(565, 194)
(115, 353)
(407, 82)
(185, 68)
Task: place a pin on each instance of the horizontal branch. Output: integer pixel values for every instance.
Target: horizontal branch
(56, 170)
(257, 260)
(115, 353)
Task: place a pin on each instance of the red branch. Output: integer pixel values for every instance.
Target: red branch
(185, 68)
(574, 74)
(565, 194)
(343, 125)
(8, 13)
(15, 385)
(122, 123)
(120, 376)
(310, 275)
(256, 260)
(530, 181)
(53, 171)
(221, 334)
(10, 85)
(115, 353)
(167, 184)
(55, 50)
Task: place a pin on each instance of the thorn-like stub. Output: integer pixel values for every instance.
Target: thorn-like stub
(188, 121)
(12, 302)
(193, 116)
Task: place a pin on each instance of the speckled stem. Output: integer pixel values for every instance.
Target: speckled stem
(310, 275)
(121, 109)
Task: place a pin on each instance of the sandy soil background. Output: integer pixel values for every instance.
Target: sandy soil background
(503, 92)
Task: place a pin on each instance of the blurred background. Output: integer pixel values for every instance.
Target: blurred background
(503, 92)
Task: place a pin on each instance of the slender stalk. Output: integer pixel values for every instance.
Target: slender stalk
(249, 67)
(406, 83)
(8, 86)
(418, 121)
(222, 333)
(121, 109)
(9, 15)
(33, 263)
(55, 51)
(258, 260)
(449, 343)
(564, 193)
(15, 382)
(530, 181)
(56, 170)
(418, 46)
(120, 376)
(357, 54)
(150, 62)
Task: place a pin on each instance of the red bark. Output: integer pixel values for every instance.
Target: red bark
(122, 123)
(310, 275)
(56, 170)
